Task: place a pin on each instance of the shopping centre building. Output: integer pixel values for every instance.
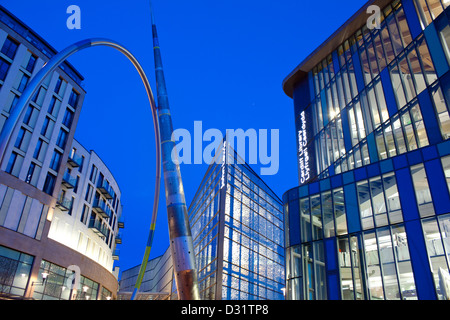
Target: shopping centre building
(370, 218)
(237, 228)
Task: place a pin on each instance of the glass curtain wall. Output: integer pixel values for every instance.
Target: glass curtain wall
(362, 104)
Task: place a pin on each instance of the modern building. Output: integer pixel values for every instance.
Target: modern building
(370, 218)
(47, 239)
(158, 282)
(88, 210)
(237, 225)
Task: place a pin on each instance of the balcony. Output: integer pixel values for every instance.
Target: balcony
(63, 203)
(118, 238)
(98, 228)
(104, 187)
(115, 254)
(68, 181)
(121, 223)
(74, 160)
(101, 208)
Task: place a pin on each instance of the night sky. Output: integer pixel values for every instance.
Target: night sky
(224, 64)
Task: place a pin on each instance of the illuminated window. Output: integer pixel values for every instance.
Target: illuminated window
(422, 190)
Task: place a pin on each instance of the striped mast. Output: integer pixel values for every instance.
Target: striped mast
(148, 246)
(181, 243)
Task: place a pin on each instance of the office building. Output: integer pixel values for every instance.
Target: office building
(370, 217)
(48, 238)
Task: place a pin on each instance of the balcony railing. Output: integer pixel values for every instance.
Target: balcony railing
(105, 189)
(121, 222)
(101, 208)
(98, 227)
(116, 254)
(119, 238)
(74, 160)
(68, 181)
(65, 204)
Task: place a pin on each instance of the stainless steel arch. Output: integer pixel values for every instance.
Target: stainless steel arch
(19, 110)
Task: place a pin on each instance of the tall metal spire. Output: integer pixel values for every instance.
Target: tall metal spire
(181, 243)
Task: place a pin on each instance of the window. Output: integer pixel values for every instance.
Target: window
(68, 118)
(15, 271)
(62, 139)
(23, 83)
(422, 190)
(428, 10)
(421, 133)
(365, 206)
(446, 167)
(437, 235)
(350, 266)
(11, 162)
(414, 62)
(392, 198)
(73, 99)
(49, 183)
(327, 215)
(72, 200)
(88, 196)
(80, 169)
(45, 126)
(426, 61)
(305, 219)
(374, 280)
(28, 114)
(51, 106)
(84, 214)
(31, 63)
(30, 172)
(77, 181)
(378, 201)
(58, 85)
(93, 174)
(19, 139)
(339, 211)
(9, 48)
(38, 148)
(4, 67)
(316, 217)
(56, 160)
(441, 110)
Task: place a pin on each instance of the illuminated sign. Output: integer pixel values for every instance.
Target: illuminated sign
(303, 153)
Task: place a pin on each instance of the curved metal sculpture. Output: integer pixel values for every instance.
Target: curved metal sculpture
(179, 231)
(19, 110)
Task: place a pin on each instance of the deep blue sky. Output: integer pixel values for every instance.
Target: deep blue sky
(224, 63)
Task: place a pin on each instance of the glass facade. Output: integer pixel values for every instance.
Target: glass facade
(15, 269)
(372, 222)
(237, 227)
(57, 283)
